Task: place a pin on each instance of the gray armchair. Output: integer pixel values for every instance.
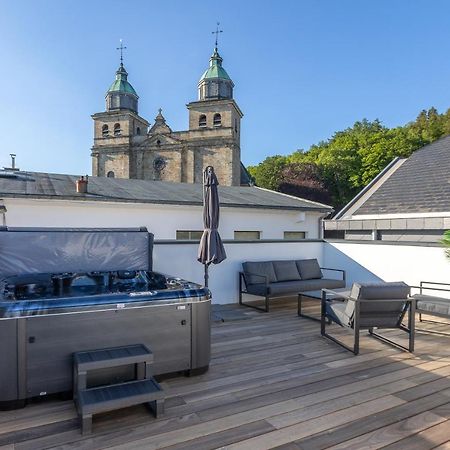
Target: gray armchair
(370, 306)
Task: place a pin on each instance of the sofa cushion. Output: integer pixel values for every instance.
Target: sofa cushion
(286, 270)
(433, 305)
(295, 287)
(388, 290)
(309, 269)
(262, 268)
(322, 283)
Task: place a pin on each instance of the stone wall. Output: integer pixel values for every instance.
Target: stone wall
(185, 154)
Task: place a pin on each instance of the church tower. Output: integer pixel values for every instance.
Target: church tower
(216, 119)
(117, 128)
(125, 146)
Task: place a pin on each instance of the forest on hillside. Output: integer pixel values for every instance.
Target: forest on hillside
(335, 170)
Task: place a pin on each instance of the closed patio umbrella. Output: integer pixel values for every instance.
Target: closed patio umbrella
(211, 250)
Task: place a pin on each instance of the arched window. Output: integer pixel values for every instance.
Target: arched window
(117, 130)
(105, 130)
(138, 131)
(202, 121)
(110, 174)
(217, 121)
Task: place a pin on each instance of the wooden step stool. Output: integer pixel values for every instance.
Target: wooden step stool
(100, 399)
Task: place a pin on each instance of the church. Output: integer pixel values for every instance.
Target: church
(127, 146)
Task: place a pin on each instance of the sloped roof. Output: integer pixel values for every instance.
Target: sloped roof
(62, 186)
(420, 185)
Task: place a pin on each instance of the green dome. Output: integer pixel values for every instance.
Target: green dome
(121, 83)
(215, 69)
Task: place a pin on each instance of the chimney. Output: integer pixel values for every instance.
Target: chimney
(82, 185)
(13, 163)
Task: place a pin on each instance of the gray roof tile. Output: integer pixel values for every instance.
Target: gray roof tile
(420, 184)
(48, 185)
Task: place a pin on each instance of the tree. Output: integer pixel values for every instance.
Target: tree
(268, 173)
(304, 180)
(351, 158)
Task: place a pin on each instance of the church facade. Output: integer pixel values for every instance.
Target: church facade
(127, 146)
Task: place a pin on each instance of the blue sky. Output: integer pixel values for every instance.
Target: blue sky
(302, 69)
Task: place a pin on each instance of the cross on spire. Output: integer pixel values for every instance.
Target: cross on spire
(121, 48)
(217, 33)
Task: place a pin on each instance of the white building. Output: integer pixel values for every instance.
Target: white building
(409, 201)
(171, 211)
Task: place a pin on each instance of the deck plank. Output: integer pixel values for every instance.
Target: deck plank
(426, 439)
(393, 433)
(273, 382)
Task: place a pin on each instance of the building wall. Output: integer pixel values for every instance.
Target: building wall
(362, 261)
(186, 153)
(419, 227)
(175, 257)
(116, 160)
(388, 262)
(162, 220)
(181, 260)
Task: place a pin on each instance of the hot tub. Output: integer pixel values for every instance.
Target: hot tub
(46, 316)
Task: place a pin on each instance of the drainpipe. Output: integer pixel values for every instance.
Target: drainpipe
(322, 225)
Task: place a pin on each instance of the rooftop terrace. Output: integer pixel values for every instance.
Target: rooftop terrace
(273, 383)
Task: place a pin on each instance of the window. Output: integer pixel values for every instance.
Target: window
(138, 131)
(105, 130)
(110, 174)
(189, 235)
(202, 121)
(117, 130)
(294, 235)
(247, 235)
(217, 121)
(235, 125)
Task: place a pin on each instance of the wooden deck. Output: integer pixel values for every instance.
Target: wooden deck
(273, 383)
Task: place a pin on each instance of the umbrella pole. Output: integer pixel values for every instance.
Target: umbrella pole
(206, 275)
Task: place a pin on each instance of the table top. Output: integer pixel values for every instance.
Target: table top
(318, 293)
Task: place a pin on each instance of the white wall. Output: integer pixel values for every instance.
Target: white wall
(362, 261)
(372, 262)
(162, 220)
(181, 260)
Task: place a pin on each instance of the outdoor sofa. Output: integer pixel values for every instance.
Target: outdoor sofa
(370, 306)
(270, 279)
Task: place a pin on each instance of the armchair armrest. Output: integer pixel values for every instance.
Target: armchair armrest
(340, 295)
(336, 270)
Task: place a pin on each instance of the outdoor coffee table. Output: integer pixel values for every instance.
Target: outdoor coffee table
(317, 295)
